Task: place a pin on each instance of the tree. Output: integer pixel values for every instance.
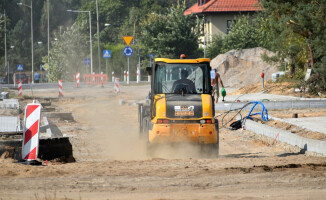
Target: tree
(67, 54)
(244, 34)
(172, 34)
(305, 20)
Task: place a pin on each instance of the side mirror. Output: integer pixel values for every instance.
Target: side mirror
(149, 70)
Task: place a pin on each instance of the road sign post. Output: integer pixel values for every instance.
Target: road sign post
(106, 56)
(128, 51)
(87, 61)
(41, 66)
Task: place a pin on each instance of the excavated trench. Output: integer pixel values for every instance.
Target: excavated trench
(52, 143)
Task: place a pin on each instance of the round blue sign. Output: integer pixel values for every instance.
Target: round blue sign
(87, 61)
(128, 51)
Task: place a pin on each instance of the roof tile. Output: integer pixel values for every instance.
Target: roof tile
(225, 6)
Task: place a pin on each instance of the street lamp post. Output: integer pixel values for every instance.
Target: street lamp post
(31, 7)
(98, 39)
(90, 34)
(6, 62)
(106, 59)
(48, 32)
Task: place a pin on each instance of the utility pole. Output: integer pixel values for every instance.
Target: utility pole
(48, 33)
(6, 62)
(98, 39)
(204, 41)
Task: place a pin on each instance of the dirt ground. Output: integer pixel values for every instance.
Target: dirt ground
(112, 162)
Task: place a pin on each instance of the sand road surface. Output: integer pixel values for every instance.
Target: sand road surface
(112, 162)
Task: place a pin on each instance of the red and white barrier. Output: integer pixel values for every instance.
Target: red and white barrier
(60, 88)
(113, 77)
(138, 76)
(77, 79)
(20, 88)
(124, 76)
(95, 79)
(127, 77)
(31, 133)
(116, 85)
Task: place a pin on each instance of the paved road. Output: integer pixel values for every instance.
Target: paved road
(65, 85)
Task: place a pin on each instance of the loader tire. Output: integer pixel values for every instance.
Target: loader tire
(145, 127)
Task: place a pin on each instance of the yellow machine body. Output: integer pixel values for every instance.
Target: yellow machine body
(200, 130)
(183, 129)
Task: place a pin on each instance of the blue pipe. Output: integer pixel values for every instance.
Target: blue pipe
(263, 113)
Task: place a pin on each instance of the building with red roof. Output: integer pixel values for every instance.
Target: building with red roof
(219, 14)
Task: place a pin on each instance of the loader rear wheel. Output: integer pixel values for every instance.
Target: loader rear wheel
(145, 127)
(210, 150)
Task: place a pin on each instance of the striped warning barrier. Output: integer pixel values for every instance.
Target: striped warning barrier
(60, 88)
(116, 85)
(124, 76)
(77, 79)
(127, 77)
(20, 88)
(95, 79)
(138, 76)
(31, 133)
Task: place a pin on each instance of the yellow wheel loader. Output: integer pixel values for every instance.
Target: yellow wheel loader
(180, 108)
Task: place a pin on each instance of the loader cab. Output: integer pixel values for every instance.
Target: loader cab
(181, 76)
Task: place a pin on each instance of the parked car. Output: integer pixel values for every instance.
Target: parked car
(21, 77)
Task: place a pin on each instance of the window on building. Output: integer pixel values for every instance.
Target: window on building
(229, 24)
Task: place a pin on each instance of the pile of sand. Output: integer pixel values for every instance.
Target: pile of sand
(242, 67)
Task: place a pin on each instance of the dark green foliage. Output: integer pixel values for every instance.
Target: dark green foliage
(172, 34)
(244, 34)
(305, 20)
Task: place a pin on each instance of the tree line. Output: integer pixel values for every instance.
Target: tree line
(294, 30)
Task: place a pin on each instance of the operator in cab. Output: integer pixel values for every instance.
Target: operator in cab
(184, 84)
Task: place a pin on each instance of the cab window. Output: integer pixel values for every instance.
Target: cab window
(176, 78)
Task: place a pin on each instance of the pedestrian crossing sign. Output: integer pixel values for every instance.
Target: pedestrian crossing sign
(106, 53)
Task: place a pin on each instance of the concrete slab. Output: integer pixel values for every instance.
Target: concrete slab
(9, 124)
(317, 124)
(9, 104)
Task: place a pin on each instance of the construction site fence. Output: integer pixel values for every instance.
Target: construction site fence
(95, 79)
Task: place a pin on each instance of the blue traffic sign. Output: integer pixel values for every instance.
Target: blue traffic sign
(87, 61)
(20, 67)
(106, 53)
(150, 55)
(128, 51)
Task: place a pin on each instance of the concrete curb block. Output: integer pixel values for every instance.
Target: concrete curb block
(275, 105)
(45, 129)
(307, 144)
